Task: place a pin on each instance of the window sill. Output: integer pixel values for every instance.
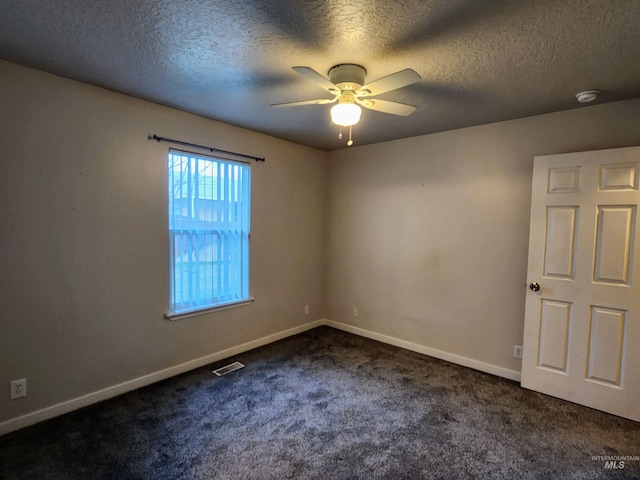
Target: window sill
(194, 313)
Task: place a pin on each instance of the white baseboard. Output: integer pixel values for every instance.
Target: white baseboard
(432, 352)
(130, 385)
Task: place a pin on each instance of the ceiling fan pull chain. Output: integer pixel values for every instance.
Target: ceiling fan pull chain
(340, 134)
(350, 142)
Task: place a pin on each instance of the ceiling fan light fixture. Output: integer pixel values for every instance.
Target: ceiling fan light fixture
(345, 114)
(346, 83)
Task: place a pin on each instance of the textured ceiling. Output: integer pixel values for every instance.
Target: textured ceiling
(481, 60)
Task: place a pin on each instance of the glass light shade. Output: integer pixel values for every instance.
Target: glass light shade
(345, 114)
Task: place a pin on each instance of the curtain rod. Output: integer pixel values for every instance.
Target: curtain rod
(211, 149)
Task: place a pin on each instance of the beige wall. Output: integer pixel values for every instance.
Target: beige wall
(428, 235)
(84, 244)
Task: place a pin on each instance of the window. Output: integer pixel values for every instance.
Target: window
(209, 207)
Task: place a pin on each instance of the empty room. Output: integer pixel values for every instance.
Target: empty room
(319, 239)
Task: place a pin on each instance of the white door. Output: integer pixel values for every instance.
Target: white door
(582, 327)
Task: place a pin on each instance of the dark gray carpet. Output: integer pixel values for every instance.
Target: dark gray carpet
(326, 405)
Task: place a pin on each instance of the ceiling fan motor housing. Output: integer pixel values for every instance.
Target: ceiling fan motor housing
(347, 76)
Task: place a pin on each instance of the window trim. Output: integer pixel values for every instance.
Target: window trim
(173, 315)
(203, 311)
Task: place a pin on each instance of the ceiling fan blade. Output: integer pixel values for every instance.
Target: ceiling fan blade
(320, 80)
(390, 82)
(386, 106)
(320, 101)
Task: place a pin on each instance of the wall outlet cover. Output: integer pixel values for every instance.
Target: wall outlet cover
(18, 389)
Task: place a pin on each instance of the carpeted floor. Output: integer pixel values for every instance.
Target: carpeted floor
(326, 405)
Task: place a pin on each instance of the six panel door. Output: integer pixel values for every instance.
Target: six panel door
(582, 327)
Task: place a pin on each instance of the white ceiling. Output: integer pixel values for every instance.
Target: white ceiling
(481, 60)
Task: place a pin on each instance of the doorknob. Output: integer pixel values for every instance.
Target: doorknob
(534, 286)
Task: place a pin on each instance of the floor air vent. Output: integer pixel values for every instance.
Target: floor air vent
(232, 367)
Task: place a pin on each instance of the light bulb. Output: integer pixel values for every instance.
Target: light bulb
(345, 114)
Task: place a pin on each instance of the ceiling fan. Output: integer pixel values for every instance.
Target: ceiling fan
(346, 84)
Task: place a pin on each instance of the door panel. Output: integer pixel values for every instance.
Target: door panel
(555, 326)
(582, 328)
(614, 238)
(619, 177)
(606, 341)
(559, 259)
(564, 180)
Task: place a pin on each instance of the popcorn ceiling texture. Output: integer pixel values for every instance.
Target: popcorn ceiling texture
(481, 61)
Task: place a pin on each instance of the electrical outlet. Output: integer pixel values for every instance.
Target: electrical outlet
(18, 389)
(306, 309)
(355, 312)
(517, 351)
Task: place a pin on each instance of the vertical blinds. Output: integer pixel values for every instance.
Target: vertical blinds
(209, 228)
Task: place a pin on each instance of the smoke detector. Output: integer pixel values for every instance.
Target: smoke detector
(587, 96)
